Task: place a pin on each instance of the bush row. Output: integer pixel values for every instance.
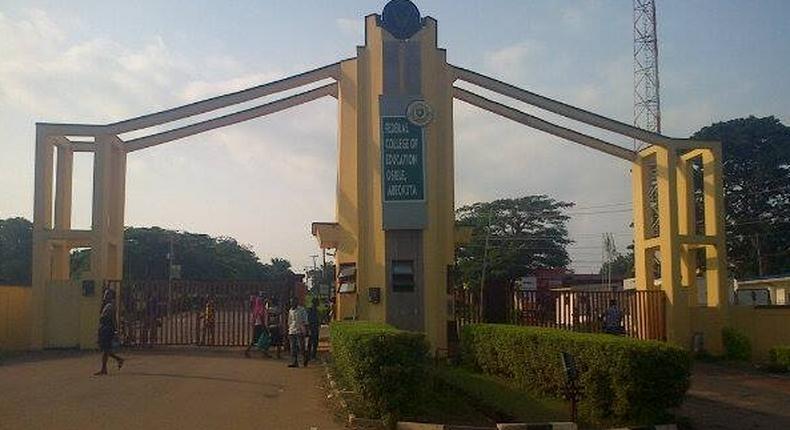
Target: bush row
(780, 358)
(386, 367)
(623, 379)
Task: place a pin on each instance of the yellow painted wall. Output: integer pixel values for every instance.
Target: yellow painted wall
(708, 321)
(15, 317)
(766, 327)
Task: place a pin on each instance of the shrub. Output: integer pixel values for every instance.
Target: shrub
(736, 344)
(387, 367)
(780, 358)
(623, 379)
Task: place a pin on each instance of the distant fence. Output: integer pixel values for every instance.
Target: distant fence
(644, 312)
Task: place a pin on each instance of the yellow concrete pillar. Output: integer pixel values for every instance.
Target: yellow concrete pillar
(678, 317)
(687, 226)
(360, 214)
(438, 237)
(61, 259)
(42, 222)
(716, 255)
(643, 256)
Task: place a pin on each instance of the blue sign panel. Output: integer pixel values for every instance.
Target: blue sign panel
(402, 167)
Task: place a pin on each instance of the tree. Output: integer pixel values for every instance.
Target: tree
(148, 253)
(16, 248)
(622, 265)
(756, 166)
(512, 238)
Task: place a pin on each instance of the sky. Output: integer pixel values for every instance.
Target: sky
(265, 181)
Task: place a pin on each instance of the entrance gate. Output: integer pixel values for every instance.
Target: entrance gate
(395, 218)
(174, 312)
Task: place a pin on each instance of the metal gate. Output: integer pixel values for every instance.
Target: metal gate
(205, 313)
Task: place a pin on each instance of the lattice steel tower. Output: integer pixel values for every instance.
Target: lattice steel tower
(647, 105)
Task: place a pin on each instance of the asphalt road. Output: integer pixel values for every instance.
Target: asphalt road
(174, 389)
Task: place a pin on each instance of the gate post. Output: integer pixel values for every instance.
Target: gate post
(666, 241)
(42, 250)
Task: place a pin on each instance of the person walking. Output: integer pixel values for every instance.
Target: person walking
(107, 328)
(258, 317)
(274, 325)
(297, 329)
(314, 327)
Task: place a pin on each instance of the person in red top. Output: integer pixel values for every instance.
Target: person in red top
(258, 317)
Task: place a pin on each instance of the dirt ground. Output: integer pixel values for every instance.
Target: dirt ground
(173, 389)
(728, 398)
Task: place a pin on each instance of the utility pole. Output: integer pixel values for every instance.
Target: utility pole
(485, 263)
(316, 288)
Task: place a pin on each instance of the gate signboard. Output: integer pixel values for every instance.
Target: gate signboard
(403, 171)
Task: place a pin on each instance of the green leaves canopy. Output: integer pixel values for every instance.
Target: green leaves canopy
(524, 234)
(757, 193)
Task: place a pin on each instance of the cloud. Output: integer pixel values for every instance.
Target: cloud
(515, 60)
(351, 26)
(263, 181)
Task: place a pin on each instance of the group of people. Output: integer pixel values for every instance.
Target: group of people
(301, 324)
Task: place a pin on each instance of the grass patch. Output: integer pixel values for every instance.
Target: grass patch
(502, 401)
(445, 404)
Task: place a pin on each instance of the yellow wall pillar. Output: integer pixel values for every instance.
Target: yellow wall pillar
(643, 255)
(716, 254)
(61, 258)
(687, 227)
(42, 251)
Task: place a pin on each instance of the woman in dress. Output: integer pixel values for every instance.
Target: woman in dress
(107, 329)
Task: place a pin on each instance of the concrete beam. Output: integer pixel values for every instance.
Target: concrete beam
(258, 111)
(537, 123)
(560, 108)
(327, 72)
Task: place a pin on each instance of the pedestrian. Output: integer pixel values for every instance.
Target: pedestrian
(209, 321)
(107, 331)
(258, 318)
(297, 329)
(314, 327)
(274, 324)
(613, 319)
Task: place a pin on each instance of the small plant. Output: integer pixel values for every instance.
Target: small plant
(780, 358)
(737, 345)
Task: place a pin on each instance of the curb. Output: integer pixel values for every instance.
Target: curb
(514, 426)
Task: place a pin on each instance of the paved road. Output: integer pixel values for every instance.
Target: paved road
(725, 398)
(183, 389)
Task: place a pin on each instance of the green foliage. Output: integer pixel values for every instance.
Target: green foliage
(16, 247)
(387, 367)
(524, 234)
(624, 380)
(201, 257)
(500, 398)
(622, 265)
(737, 345)
(757, 192)
(780, 358)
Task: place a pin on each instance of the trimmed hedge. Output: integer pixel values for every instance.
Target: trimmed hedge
(387, 367)
(780, 358)
(737, 345)
(623, 379)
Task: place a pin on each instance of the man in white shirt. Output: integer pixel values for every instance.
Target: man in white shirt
(297, 329)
